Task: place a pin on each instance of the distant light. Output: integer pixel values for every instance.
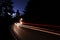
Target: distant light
(13, 15)
(21, 21)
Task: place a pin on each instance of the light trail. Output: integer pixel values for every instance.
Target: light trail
(18, 25)
(20, 21)
(20, 33)
(47, 25)
(40, 29)
(13, 34)
(21, 24)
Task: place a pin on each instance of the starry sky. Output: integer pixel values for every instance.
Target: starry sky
(20, 4)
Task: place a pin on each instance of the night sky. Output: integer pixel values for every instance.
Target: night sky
(20, 4)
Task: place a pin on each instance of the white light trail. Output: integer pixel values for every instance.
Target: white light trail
(21, 21)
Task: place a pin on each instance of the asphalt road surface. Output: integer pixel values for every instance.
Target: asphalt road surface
(26, 32)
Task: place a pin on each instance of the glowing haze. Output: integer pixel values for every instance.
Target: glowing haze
(19, 4)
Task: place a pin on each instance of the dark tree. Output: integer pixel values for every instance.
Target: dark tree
(38, 11)
(0, 9)
(18, 14)
(7, 7)
(17, 18)
(7, 11)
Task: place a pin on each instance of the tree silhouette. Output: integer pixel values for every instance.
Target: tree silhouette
(0, 10)
(38, 11)
(7, 7)
(7, 11)
(17, 16)
(32, 11)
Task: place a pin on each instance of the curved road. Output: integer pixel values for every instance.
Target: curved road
(26, 32)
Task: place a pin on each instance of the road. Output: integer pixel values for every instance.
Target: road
(26, 32)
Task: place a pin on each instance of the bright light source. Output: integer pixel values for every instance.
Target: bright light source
(21, 21)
